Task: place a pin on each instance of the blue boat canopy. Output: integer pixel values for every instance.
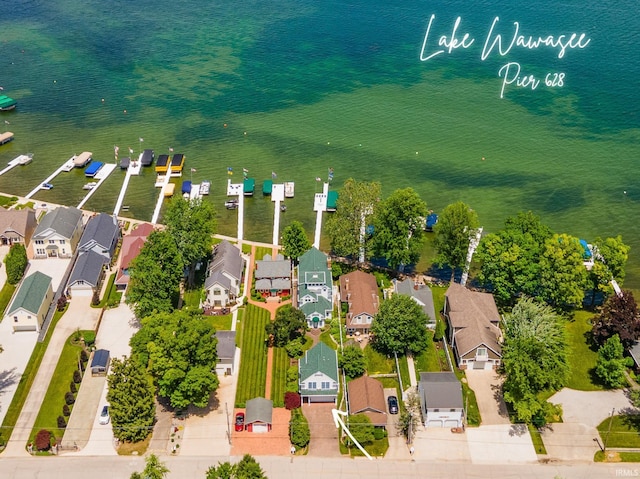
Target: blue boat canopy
(587, 251)
(432, 219)
(186, 187)
(93, 168)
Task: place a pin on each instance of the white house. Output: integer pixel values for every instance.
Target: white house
(318, 374)
(441, 400)
(58, 233)
(224, 275)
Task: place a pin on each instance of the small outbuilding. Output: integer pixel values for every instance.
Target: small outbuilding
(226, 350)
(100, 362)
(259, 415)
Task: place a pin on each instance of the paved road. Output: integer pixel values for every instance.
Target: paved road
(300, 467)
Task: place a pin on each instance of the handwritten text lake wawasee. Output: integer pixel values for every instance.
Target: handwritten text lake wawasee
(494, 42)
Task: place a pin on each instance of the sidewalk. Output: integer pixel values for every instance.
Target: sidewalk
(79, 315)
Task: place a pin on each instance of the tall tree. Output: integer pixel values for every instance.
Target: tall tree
(610, 365)
(610, 258)
(16, 261)
(534, 357)
(295, 241)
(400, 326)
(154, 468)
(562, 272)
(352, 361)
(191, 224)
(357, 202)
(509, 259)
(289, 324)
(155, 275)
(179, 350)
(456, 226)
(131, 398)
(619, 316)
(246, 468)
(399, 228)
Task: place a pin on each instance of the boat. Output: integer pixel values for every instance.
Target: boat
(82, 159)
(332, 201)
(231, 204)
(23, 159)
(283, 208)
(125, 162)
(147, 157)
(7, 103)
(289, 187)
(267, 187)
(90, 186)
(249, 186)
(93, 168)
(169, 190)
(46, 186)
(186, 188)
(6, 137)
(205, 186)
(162, 165)
(177, 163)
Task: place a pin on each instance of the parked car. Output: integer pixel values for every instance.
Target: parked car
(104, 415)
(240, 422)
(392, 401)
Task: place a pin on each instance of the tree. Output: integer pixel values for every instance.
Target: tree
(562, 272)
(610, 365)
(295, 241)
(154, 469)
(179, 350)
(43, 440)
(609, 260)
(456, 226)
(400, 326)
(247, 468)
(509, 259)
(191, 224)
(357, 203)
(16, 261)
(409, 418)
(399, 228)
(619, 316)
(352, 361)
(131, 398)
(299, 432)
(534, 357)
(290, 324)
(361, 428)
(155, 275)
(224, 470)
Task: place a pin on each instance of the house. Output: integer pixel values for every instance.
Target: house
(318, 374)
(31, 303)
(473, 324)
(441, 400)
(224, 275)
(360, 291)
(100, 362)
(101, 235)
(273, 276)
(130, 248)
(58, 234)
(315, 288)
(87, 274)
(366, 396)
(17, 226)
(226, 350)
(421, 294)
(259, 414)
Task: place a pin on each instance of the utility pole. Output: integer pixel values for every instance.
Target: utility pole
(604, 447)
(226, 408)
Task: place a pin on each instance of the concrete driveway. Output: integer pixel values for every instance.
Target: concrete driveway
(439, 444)
(488, 388)
(501, 444)
(324, 434)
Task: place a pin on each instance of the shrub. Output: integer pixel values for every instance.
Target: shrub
(440, 330)
(62, 303)
(66, 412)
(95, 300)
(299, 433)
(84, 356)
(61, 422)
(16, 261)
(379, 433)
(292, 400)
(43, 440)
(295, 349)
(72, 387)
(77, 377)
(69, 398)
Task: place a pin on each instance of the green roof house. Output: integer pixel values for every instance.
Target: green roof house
(31, 303)
(315, 286)
(318, 374)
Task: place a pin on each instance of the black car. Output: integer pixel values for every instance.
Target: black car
(392, 401)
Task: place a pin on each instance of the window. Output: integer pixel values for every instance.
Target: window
(436, 410)
(325, 385)
(39, 242)
(312, 385)
(452, 410)
(216, 292)
(52, 241)
(481, 352)
(62, 241)
(15, 319)
(40, 251)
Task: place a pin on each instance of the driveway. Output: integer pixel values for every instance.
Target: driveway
(573, 439)
(487, 386)
(501, 444)
(439, 444)
(324, 434)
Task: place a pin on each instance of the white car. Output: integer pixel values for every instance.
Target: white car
(104, 415)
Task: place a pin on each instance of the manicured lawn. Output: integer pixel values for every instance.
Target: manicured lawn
(134, 448)
(625, 431)
(378, 363)
(428, 361)
(54, 401)
(111, 296)
(470, 402)
(582, 359)
(377, 448)
(438, 297)
(5, 296)
(221, 323)
(253, 365)
(239, 323)
(246, 248)
(325, 337)
(191, 298)
(6, 201)
(26, 380)
(279, 376)
(261, 251)
(404, 371)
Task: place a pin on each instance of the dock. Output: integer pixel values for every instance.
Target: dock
(47, 180)
(101, 175)
(319, 206)
(162, 184)
(237, 189)
(6, 137)
(132, 170)
(277, 196)
(19, 160)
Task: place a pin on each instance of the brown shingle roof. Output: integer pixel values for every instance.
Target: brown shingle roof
(360, 290)
(474, 317)
(366, 395)
(131, 246)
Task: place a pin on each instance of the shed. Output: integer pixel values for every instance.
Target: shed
(226, 350)
(259, 415)
(100, 362)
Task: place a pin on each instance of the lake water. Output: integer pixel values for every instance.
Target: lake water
(298, 87)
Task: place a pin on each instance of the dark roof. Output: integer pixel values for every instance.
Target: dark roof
(177, 159)
(268, 268)
(147, 157)
(63, 220)
(420, 292)
(163, 160)
(102, 230)
(227, 259)
(124, 162)
(226, 344)
(259, 410)
(88, 268)
(441, 390)
(100, 358)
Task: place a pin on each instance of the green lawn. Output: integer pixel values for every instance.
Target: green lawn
(438, 297)
(428, 361)
(378, 363)
(582, 359)
(261, 251)
(6, 201)
(377, 448)
(536, 438)
(5, 296)
(111, 295)
(26, 380)
(279, 376)
(54, 401)
(221, 323)
(325, 337)
(404, 371)
(625, 431)
(191, 298)
(253, 365)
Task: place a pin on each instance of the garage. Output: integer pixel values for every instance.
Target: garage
(433, 423)
(480, 365)
(451, 423)
(258, 427)
(259, 415)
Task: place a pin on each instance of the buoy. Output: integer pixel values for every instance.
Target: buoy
(125, 112)
(416, 152)
(245, 133)
(483, 158)
(225, 125)
(103, 100)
